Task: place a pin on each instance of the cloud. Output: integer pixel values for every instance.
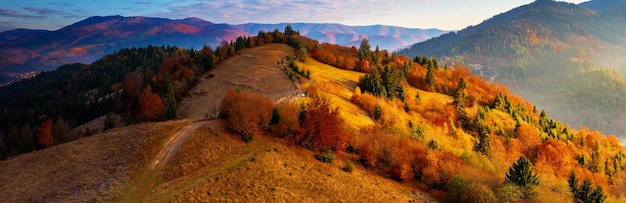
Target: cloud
(275, 11)
(12, 13)
(49, 12)
(64, 4)
(44, 11)
(143, 2)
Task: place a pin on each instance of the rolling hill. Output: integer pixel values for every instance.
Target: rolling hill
(210, 164)
(94, 37)
(296, 128)
(542, 51)
(85, 41)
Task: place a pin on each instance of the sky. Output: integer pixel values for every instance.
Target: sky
(442, 14)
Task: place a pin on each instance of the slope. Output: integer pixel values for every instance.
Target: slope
(253, 69)
(456, 137)
(540, 48)
(84, 170)
(210, 164)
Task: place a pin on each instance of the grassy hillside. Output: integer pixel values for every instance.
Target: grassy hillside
(88, 169)
(431, 131)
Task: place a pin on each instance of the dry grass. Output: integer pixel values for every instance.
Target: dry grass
(252, 70)
(338, 85)
(84, 170)
(213, 164)
(211, 168)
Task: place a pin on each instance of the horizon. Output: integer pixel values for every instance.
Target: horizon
(438, 14)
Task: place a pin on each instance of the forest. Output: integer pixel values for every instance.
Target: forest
(553, 53)
(485, 145)
(435, 124)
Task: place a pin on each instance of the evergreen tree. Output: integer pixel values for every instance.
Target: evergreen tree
(170, 103)
(27, 138)
(521, 174)
(376, 56)
(430, 77)
(364, 49)
(484, 143)
(378, 112)
(460, 98)
(60, 131)
(585, 192)
(289, 30)
(275, 117)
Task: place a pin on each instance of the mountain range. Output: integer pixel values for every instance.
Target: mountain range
(25, 50)
(565, 58)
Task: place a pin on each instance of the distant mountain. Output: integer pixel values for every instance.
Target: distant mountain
(23, 50)
(386, 37)
(543, 50)
(85, 41)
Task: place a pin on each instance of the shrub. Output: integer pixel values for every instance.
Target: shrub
(461, 190)
(326, 156)
(247, 113)
(349, 167)
(323, 125)
(351, 149)
(288, 125)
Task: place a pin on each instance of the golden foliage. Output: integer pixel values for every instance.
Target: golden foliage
(247, 113)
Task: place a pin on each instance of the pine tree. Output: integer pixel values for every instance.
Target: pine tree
(585, 192)
(170, 103)
(484, 143)
(364, 49)
(27, 138)
(522, 175)
(289, 30)
(430, 77)
(378, 112)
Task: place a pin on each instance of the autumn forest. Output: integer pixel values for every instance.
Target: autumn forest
(434, 124)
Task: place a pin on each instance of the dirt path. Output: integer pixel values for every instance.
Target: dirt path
(260, 143)
(173, 143)
(140, 187)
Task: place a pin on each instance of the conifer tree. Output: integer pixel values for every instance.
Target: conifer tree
(430, 77)
(484, 143)
(585, 192)
(364, 49)
(521, 174)
(289, 30)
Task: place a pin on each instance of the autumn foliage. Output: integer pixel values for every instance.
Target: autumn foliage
(247, 113)
(150, 106)
(44, 135)
(324, 126)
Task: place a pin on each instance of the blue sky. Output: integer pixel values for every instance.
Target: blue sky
(443, 14)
